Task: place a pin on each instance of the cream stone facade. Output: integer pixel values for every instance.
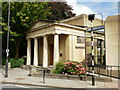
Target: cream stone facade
(112, 24)
(50, 42)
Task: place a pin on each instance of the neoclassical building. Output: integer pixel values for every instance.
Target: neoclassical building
(112, 28)
(49, 42)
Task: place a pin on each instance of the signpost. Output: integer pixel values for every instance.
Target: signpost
(91, 18)
(7, 50)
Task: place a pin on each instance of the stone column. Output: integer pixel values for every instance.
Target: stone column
(70, 47)
(28, 52)
(45, 52)
(56, 48)
(35, 52)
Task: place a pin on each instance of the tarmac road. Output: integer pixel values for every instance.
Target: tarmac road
(19, 87)
(23, 87)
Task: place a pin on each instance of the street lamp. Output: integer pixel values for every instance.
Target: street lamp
(91, 17)
(7, 50)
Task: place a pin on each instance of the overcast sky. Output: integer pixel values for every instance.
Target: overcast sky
(106, 8)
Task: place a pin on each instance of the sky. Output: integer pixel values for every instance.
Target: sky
(84, 7)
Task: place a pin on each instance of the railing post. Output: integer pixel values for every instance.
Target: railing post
(118, 72)
(111, 72)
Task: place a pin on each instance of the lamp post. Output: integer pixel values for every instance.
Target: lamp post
(7, 50)
(91, 17)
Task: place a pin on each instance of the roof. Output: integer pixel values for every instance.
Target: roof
(72, 18)
(60, 24)
(49, 21)
(113, 18)
(76, 17)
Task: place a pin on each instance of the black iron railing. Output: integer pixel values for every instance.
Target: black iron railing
(106, 70)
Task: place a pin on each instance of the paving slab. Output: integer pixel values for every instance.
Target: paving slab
(20, 77)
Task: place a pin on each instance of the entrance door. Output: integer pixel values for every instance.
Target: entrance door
(51, 54)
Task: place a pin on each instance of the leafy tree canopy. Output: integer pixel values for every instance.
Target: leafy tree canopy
(21, 16)
(60, 11)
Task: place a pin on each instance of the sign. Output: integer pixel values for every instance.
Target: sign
(7, 50)
(90, 43)
(80, 39)
(78, 47)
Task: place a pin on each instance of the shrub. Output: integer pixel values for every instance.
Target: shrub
(16, 62)
(73, 68)
(58, 68)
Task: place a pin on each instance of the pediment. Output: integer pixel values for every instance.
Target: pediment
(39, 24)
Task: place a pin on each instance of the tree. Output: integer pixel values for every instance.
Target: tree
(22, 15)
(60, 11)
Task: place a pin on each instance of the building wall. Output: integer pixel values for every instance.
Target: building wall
(62, 47)
(76, 52)
(68, 46)
(82, 20)
(96, 22)
(76, 21)
(111, 27)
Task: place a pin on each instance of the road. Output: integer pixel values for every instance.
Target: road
(19, 87)
(23, 87)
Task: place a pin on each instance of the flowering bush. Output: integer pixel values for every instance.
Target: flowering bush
(73, 68)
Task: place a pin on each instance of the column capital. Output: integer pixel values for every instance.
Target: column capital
(29, 38)
(56, 34)
(45, 36)
(36, 38)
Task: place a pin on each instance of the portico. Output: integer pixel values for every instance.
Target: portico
(52, 43)
(45, 51)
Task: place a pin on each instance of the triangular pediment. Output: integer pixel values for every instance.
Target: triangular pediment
(40, 23)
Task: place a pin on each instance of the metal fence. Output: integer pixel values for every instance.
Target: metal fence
(106, 70)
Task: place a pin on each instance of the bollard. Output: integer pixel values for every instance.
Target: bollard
(93, 77)
(43, 76)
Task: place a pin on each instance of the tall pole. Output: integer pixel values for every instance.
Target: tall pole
(91, 18)
(92, 49)
(85, 59)
(7, 50)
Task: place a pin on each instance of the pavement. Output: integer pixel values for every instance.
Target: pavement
(19, 76)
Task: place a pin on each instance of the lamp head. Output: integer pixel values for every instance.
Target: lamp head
(91, 17)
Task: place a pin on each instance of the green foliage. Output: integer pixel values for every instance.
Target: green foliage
(60, 11)
(71, 68)
(22, 15)
(58, 68)
(16, 62)
(3, 61)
